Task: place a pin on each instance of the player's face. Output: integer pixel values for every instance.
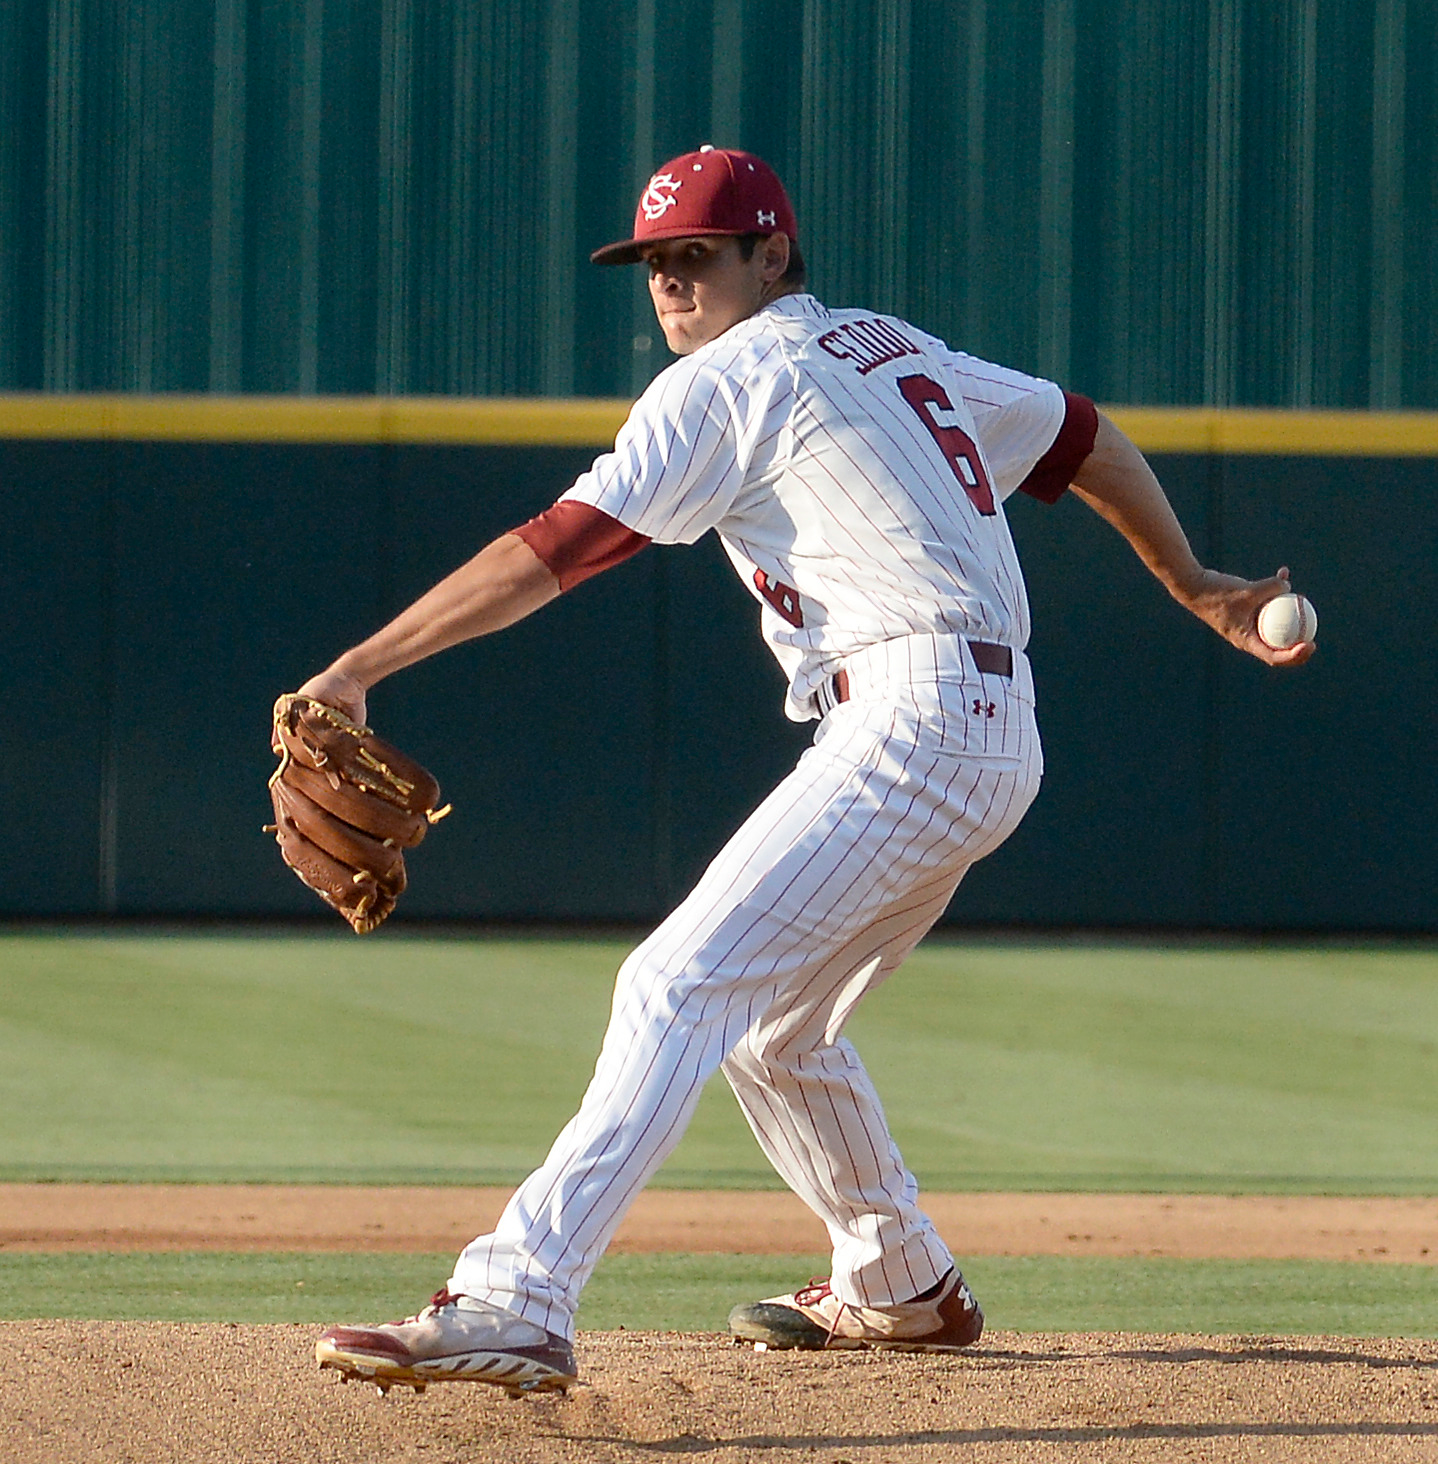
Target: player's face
(703, 285)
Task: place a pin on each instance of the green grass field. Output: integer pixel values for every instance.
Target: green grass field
(404, 1058)
(695, 1293)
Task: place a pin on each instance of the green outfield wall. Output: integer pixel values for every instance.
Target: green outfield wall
(171, 564)
(1168, 201)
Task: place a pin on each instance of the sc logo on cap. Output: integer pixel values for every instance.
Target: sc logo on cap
(658, 198)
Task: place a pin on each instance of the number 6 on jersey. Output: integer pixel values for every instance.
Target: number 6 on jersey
(928, 398)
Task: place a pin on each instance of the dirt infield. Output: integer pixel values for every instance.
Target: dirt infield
(164, 1393)
(102, 1393)
(282, 1217)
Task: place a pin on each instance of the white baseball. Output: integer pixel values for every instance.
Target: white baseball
(1286, 620)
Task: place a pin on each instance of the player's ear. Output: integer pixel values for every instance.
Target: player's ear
(775, 257)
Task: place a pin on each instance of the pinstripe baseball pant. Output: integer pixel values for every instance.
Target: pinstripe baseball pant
(822, 893)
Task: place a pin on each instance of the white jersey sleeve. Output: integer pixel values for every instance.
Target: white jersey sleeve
(1017, 416)
(681, 457)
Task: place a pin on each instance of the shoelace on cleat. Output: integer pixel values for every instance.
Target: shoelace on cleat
(442, 1298)
(817, 1289)
(810, 1295)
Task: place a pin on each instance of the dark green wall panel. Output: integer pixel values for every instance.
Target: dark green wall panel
(1121, 674)
(57, 675)
(1195, 201)
(725, 741)
(1340, 759)
(599, 753)
(212, 593)
(543, 736)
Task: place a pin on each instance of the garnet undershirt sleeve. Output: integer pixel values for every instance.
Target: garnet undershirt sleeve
(1050, 477)
(576, 540)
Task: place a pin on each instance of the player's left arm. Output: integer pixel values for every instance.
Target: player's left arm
(1116, 481)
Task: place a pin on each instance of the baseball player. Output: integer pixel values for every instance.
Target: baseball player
(854, 468)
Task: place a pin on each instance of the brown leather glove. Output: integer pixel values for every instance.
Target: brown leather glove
(347, 805)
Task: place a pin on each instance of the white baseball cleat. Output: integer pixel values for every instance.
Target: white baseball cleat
(454, 1339)
(944, 1319)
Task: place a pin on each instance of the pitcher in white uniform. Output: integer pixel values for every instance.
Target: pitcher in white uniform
(854, 468)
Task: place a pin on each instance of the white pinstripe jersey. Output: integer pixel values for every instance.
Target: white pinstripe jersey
(854, 468)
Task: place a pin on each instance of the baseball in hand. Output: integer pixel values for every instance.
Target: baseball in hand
(1286, 620)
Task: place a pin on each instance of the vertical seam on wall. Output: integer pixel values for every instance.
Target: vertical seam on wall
(1220, 211)
(1056, 183)
(1305, 165)
(972, 192)
(131, 300)
(645, 41)
(661, 740)
(1117, 195)
(726, 75)
(62, 107)
(1385, 379)
(227, 183)
(311, 116)
(892, 122)
(1212, 844)
(562, 141)
(392, 224)
(465, 352)
(387, 530)
(108, 846)
(811, 192)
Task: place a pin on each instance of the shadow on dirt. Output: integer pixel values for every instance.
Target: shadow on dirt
(1275, 1352)
(696, 1444)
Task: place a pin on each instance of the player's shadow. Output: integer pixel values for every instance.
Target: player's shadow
(1270, 1352)
(998, 1358)
(1004, 1359)
(1089, 1434)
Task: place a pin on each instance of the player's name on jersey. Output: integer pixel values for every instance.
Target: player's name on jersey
(867, 344)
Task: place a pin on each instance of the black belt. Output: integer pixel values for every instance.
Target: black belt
(991, 660)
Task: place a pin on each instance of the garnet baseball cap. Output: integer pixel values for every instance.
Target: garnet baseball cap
(716, 190)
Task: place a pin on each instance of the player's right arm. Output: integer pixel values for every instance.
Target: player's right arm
(1116, 481)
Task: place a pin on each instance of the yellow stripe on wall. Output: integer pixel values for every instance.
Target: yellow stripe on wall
(1289, 433)
(517, 421)
(593, 421)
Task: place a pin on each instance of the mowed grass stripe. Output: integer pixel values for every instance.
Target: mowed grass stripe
(695, 1293)
(1023, 1065)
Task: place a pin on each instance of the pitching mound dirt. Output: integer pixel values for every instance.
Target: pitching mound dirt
(158, 1393)
(105, 1393)
(311, 1217)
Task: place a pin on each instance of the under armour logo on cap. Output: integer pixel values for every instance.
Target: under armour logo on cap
(712, 191)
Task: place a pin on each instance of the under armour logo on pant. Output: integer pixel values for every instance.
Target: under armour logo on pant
(984, 709)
